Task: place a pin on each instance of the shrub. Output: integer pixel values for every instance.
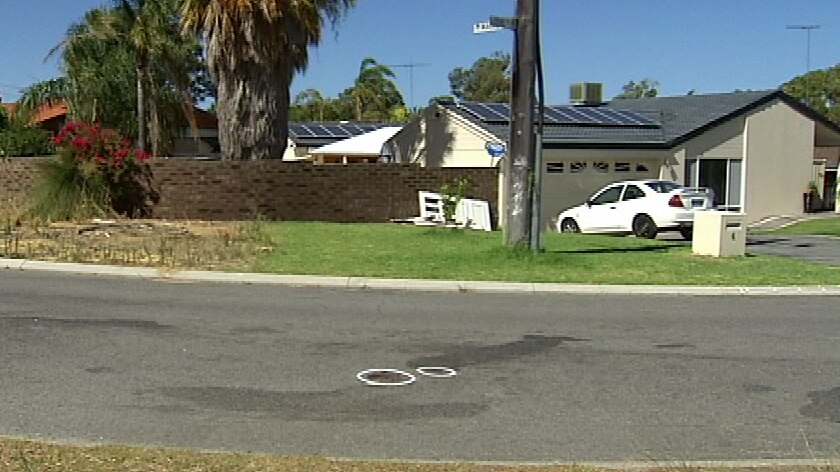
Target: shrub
(25, 142)
(95, 173)
(452, 194)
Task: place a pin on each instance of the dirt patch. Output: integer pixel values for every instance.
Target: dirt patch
(158, 243)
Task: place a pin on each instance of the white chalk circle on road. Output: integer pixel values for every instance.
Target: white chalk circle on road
(437, 372)
(385, 377)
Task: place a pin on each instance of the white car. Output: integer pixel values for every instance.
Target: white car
(641, 207)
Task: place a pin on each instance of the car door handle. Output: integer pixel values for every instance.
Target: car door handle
(612, 208)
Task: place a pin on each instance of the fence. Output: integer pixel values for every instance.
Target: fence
(234, 190)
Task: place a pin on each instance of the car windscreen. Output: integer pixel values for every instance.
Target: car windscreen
(663, 186)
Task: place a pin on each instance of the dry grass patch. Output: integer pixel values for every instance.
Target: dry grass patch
(31, 456)
(181, 244)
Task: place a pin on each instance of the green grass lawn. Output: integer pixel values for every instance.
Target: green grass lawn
(827, 227)
(395, 251)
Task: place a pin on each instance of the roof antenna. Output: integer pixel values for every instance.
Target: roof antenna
(410, 66)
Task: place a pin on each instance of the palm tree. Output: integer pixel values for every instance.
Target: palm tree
(374, 92)
(310, 105)
(254, 48)
(148, 29)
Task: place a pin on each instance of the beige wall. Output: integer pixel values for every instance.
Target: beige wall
(725, 141)
(562, 190)
(444, 139)
(779, 150)
(295, 153)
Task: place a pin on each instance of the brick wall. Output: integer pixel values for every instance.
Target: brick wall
(17, 177)
(226, 190)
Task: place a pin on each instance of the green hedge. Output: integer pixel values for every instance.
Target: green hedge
(25, 142)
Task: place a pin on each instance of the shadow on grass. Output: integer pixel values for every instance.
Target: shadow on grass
(615, 250)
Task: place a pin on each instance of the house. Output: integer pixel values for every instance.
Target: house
(50, 117)
(758, 151)
(303, 138)
(204, 140)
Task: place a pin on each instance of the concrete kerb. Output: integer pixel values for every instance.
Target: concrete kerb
(364, 283)
(757, 464)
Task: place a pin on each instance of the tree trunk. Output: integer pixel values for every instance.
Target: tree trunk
(142, 80)
(253, 111)
(154, 122)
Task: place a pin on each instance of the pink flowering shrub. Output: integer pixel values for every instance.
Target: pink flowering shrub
(98, 172)
(102, 151)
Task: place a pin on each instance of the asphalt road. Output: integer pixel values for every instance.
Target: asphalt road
(540, 377)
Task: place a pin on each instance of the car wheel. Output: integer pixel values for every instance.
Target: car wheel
(569, 225)
(687, 232)
(644, 227)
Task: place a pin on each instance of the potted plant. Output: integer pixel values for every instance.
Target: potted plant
(811, 198)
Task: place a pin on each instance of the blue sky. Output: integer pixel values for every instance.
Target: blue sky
(704, 45)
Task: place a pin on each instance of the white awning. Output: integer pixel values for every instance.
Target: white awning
(368, 144)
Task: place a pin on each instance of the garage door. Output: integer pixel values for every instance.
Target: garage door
(570, 182)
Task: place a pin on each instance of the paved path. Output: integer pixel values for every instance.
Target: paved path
(540, 377)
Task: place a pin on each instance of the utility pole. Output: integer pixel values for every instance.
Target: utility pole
(519, 165)
(411, 66)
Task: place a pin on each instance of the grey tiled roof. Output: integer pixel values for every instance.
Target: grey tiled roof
(683, 116)
(678, 119)
(589, 135)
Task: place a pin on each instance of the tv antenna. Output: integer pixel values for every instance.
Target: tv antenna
(410, 66)
(807, 29)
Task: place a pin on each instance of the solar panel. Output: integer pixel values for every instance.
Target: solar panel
(299, 130)
(330, 130)
(556, 115)
(635, 117)
(487, 112)
(499, 113)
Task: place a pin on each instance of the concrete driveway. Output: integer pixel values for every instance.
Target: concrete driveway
(822, 249)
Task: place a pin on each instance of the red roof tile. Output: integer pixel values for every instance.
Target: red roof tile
(44, 113)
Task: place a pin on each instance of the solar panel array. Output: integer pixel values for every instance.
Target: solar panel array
(330, 130)
(563, 115)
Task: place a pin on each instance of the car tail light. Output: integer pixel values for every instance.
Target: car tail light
(676, 202)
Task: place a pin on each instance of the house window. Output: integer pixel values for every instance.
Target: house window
(723, 176)
(641, 168)
(577, 167)
(622, 167)
(555, 167)
(601, 166)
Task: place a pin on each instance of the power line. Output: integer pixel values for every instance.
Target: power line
(410, 66)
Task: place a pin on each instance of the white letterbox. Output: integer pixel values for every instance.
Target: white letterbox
(719, 234)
